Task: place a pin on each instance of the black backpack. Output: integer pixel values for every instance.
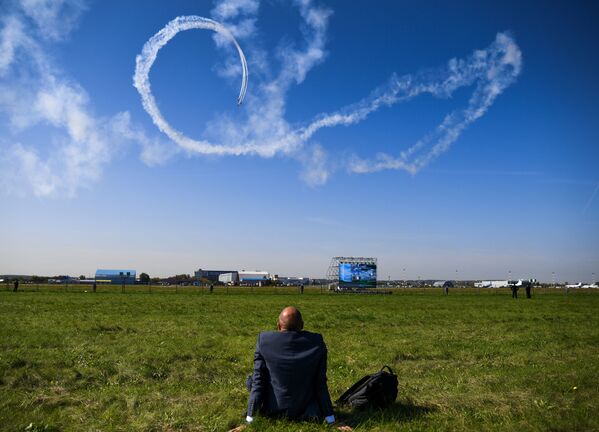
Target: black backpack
(373, 391)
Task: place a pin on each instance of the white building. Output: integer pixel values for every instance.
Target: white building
(244, 277)
(229, 278)
(492, 284)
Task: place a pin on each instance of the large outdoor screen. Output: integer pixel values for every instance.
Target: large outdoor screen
(353, 275)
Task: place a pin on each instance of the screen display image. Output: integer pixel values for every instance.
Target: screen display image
(354, 275)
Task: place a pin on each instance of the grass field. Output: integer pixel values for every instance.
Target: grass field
(139, 361)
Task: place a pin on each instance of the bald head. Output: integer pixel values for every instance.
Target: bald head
(290, 319)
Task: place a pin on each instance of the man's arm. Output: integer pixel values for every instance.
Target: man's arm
(322, 390)
(259, 381)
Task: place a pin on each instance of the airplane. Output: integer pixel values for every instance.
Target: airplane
(590, 286)
(578, 285)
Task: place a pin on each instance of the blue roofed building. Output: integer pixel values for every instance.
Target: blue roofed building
(116, 276)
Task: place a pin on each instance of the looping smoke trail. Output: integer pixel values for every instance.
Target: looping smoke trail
(267, 133)
(145, 60)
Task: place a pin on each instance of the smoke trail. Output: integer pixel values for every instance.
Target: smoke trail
(266, 132)
(146, 59)
(493, 70)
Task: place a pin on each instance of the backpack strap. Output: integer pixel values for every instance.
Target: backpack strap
(390, 370)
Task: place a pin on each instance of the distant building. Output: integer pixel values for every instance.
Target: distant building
(115, 276)
(443, 284)
(231, 278)
(211, 275)
(253, 277)
(64, 280)
(492, 284)
(291, 281)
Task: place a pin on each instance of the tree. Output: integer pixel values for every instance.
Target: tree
(144, 278)
(81, 277)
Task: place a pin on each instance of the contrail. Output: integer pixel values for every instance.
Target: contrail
(145, 60)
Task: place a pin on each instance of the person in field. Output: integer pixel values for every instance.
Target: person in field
(290, 374)
(528, 287)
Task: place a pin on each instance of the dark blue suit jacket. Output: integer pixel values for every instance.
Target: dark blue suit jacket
(290, 376)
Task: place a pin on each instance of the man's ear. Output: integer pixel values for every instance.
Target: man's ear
(301, 326)
(278, 325)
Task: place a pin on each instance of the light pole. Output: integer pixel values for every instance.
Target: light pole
(405, 282)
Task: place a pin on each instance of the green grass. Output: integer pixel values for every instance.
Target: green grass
(162, 361)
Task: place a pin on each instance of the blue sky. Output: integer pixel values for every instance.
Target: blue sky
(504, 178)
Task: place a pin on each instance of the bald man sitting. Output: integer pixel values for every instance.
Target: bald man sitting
(290, 373)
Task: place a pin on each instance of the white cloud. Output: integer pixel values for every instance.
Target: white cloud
(228, 9)
(154, 150)
(12, 38)
(18, 162)
(35, 95)
(317, 169)
(74, 156)
(54, 18)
